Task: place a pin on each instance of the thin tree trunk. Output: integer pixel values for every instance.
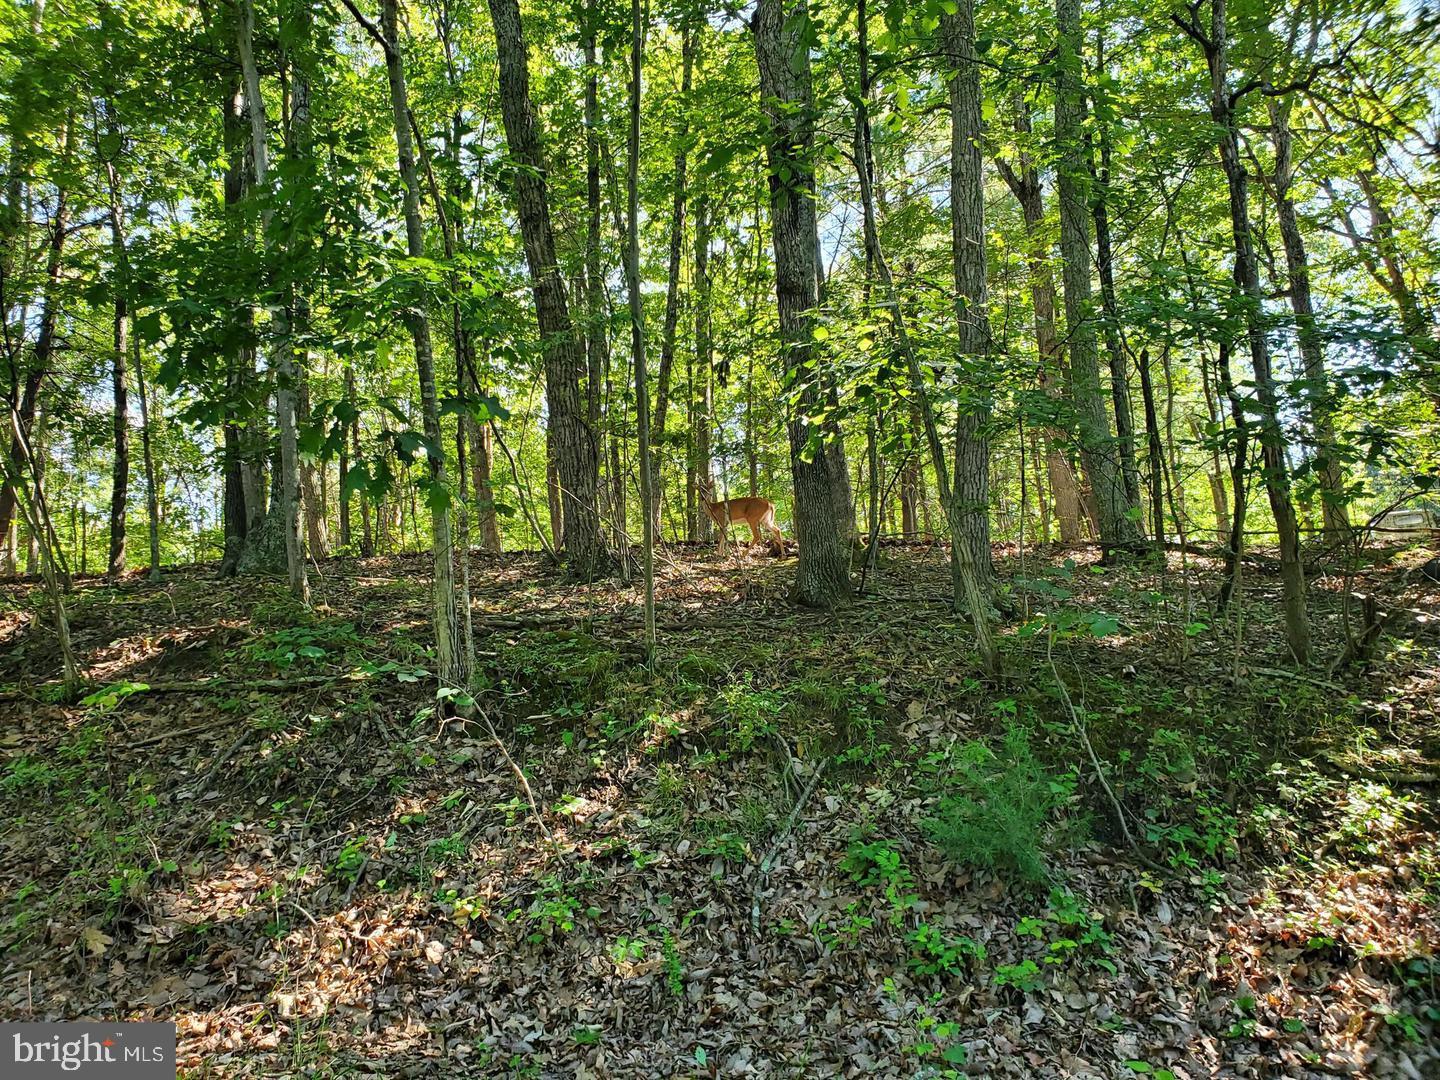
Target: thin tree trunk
(1155, 451)
(286, 376)
(704, 363)
(43, 353)
(147, 453)
(637, 318)
(967, 499)
(120, 474)
(1275, 473)
(597, 329)
(448, 647)
(1114, 345)
(1098, 450)
(677, 246)
(1317, 392)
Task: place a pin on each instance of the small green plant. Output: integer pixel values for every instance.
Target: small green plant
(1000, 809)
(674, 968)
(749, 714)
(350, 860)
(1069, 933)
(556, 907)
(1023, 976)
(878, 863)
(302, 644)
(108, 697)
(932, 953)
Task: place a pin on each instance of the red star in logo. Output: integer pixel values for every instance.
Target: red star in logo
(108, 1042)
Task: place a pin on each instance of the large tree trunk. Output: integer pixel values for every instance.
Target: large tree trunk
(576, 453)
(1097, 445)
(969, 509)
(1318, 394)
(450, 655)
(1275, 472)
(781, 47)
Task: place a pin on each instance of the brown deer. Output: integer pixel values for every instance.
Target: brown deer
(759, 514)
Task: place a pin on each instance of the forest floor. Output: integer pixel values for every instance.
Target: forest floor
(798, 844)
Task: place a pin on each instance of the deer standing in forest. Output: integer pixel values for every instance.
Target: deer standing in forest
(758, 513)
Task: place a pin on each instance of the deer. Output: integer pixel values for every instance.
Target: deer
(758, 513)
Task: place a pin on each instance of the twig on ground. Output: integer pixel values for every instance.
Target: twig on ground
(769, 860)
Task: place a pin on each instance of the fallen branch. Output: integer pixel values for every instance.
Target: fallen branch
(769, 860)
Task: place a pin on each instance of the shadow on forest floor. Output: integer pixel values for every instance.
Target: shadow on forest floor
(258, 826)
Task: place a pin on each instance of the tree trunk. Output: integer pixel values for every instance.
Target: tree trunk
(1247, 279)
(1109, 302)
(120, 474)
(704, 363)
(1155, 452)
(44, 351)
(1097, 445)
(147, 453)
(1318, 394)
(677, 246)
(966, 500)
(822, 577)
(969, 509)
(1025, 185)
(577, 461)
(648, 510)
(597, 326)
(286, 374)
(448, 652)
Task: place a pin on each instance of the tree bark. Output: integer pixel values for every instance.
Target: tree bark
(1318, 394)
(648, 509)
(450, 656)
(704, 363)
(285, 370)
(1275, 472)
(822, 576)
(677, 247)
(1098, 451)
(576, 451)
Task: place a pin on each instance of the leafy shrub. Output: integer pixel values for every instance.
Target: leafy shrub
(998, 811)
(750, 714)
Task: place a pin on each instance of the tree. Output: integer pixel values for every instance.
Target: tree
(781, 34)
(1098, 449)
(1214, 44)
